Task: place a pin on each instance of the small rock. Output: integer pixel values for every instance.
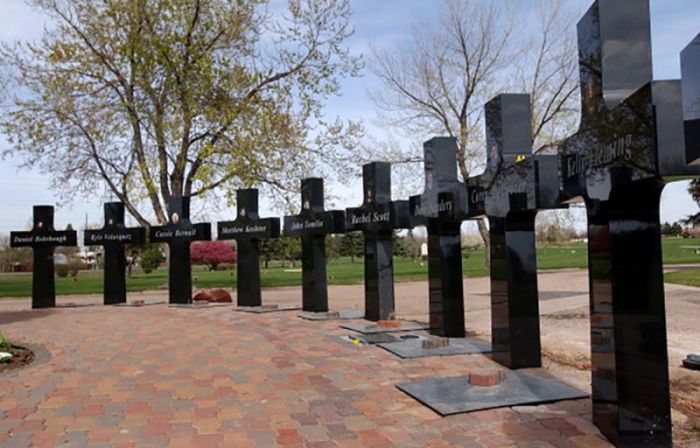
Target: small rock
(202, 296)
(220, 296)
(5, 356)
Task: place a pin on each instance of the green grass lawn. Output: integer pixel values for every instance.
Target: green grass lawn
(689, 277)
(344, 272)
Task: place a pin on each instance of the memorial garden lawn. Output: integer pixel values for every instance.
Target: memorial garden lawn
(344, 272)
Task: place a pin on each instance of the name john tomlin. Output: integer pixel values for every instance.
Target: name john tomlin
(317, 224)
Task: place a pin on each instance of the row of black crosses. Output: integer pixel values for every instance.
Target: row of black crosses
(635, 135)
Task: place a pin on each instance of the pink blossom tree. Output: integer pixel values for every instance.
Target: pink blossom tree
(211, 253)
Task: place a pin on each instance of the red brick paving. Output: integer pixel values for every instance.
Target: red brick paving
(158, 376)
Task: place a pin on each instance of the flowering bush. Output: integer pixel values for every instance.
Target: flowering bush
(211, 253)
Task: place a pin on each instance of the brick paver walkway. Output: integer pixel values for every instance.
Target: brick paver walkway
(159, 376)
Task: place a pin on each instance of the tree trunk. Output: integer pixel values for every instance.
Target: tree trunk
(484, 232)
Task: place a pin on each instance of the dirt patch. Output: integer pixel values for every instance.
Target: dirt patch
(20, 357)
(685, 401)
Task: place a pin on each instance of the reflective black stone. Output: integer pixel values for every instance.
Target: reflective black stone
(377, 219)
(114, 236)
(629, 141)
(443, 206)
(43, 239)
(178, 234)
(514, 187)
(690, 75)
(312, 225)
(247, 230)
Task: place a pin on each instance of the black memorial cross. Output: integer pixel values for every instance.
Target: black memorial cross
(630, 138)
(377, 219)
(312, 225)
(515, 186)
(690, 80)
(443, 206)
(114, 236)
(178, 234)
(43, 239)
(248, 229)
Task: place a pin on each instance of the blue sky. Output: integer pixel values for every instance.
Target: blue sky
(384, 23)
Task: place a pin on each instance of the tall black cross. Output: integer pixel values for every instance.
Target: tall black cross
(248, 229)
(515, 186)
(178, 234)
(312, 224)
(630, 137)
(43, 238)
(690, 70)
(377, 219)
(444, 206)
(114, 236)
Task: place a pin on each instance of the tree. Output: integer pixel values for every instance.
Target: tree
(212, 253)
(694, 190)
(351, 245)
(159, 98)
(439, 84)
(150, 258)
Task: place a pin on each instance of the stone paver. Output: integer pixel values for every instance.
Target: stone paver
(159, 376)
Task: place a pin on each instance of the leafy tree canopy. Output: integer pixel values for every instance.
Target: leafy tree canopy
(153, 98)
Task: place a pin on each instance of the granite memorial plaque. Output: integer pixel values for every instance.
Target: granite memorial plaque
(114, 236)
(248, 229)
(514, 187)
(443, 206)
(377, 219)
(312, 225)
(178, 234)
(629, 143)
(43, 239)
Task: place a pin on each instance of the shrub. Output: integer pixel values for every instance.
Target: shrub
(5, 345)
(62, 270)
(212, 253)
(150, 258)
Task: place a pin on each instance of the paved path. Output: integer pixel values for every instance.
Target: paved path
(159, 376)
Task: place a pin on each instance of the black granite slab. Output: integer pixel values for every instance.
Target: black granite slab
(312, 225)
(43, 239)
(114, 237)
(632, 140)
(178, 234)
(329, 315)
(413, 348)
(265, 310)
(374, 328)
(442, 207)
(377, 219)
(198, 306)
(369, 339)
(454, 395)
(145, 303)
(248, 229)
